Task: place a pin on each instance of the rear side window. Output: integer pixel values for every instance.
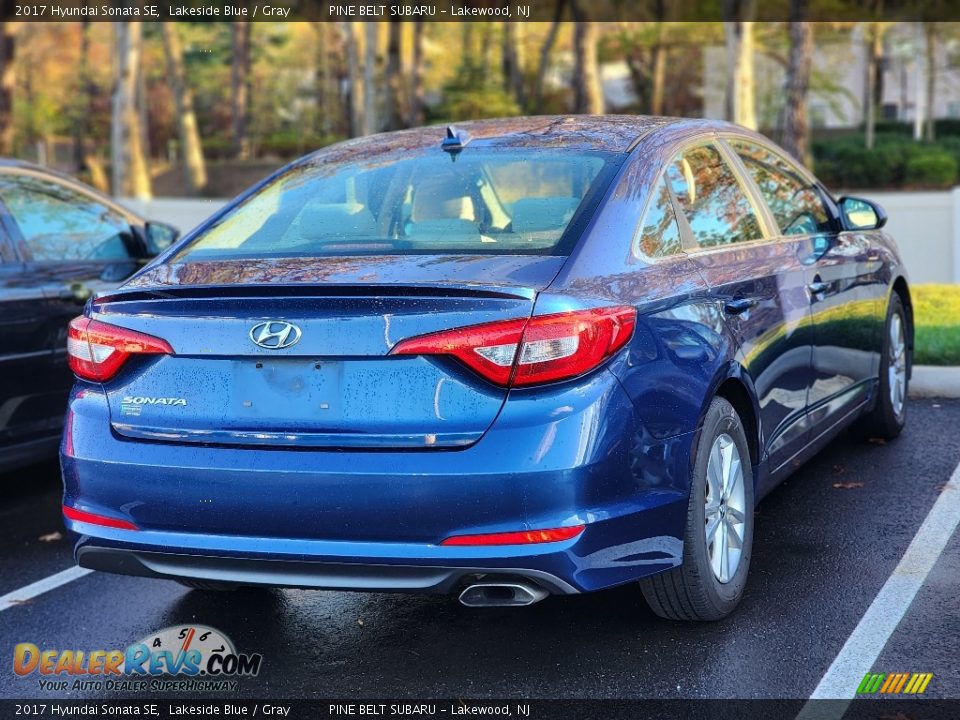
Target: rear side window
(794, 201)
(711, 198)
(58, 224)
(423, 202)
(659, 234)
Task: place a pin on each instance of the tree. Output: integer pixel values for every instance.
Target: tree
(738, 28)
(7, 81)
(186, 118)
(240, 88)
(416, 76)
(545, 51)
(371, 123)
(873, 88)
(131, 175)
(322, 79)
(930, 68)
(587, 87)
(511, 61)
(393, 80)
(659, 60)
(795, 131)
(355, 94)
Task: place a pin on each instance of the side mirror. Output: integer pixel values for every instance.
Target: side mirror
(160, 236)
(860, 214)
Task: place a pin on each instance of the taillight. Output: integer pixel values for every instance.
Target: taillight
(94, 519)
(543, 349)
(96, 350)
(523, 537)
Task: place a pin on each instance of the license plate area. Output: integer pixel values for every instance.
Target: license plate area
(287, 391)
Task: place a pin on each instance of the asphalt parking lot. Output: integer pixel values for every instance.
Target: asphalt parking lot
(826, 543)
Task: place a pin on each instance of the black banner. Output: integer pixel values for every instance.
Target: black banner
(473, 10)
(861, 709)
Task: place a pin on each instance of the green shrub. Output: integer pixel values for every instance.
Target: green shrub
(931, 169)
(895, 161)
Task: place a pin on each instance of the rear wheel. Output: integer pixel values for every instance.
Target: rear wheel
(888, 416)
(719, 532)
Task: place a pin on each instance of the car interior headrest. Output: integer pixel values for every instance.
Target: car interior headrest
(442, 197)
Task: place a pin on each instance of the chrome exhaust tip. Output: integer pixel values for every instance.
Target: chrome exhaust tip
(502, 594)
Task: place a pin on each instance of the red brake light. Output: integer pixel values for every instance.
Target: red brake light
(524, 537)
(96, 350)
(94, 519)
(543, 349)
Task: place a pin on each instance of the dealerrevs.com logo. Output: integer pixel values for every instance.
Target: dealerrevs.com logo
(178, 658)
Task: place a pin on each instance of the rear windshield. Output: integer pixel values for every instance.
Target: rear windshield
(481, 200)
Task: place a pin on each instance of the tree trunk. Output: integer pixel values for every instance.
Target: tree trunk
(511, 62)
(873, 84)
(84, 109)
(795, 130)
(740, 102)
(587, 87)
(394, 77)
(191, 148)
(131, 176)
(240, 88)
(7, 82)
(659, 73)
(545, 51)
(659, 61)
(322, 80)
(416, 76)
(370, 122)
(351, 38)
(929, 130)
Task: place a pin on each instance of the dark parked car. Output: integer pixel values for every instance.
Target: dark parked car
(528, 356)
(60, 242)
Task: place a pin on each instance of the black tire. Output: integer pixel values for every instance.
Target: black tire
(884, 421)
(692, 591)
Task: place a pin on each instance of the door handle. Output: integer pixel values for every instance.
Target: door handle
(739, 305)
(818, 286)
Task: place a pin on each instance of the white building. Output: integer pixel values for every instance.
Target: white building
(838, 82)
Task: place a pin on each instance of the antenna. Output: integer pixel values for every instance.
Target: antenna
(454, 142)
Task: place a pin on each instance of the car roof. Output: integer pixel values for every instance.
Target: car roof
(67, 179)
(610, 133)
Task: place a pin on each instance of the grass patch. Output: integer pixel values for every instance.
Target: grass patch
(936, 314)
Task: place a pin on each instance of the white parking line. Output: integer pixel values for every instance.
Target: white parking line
(868, 639)
(12, 599)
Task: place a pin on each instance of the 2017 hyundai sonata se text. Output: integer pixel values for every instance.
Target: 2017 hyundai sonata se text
(515, 358)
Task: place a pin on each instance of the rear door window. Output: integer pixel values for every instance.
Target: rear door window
(713, 201)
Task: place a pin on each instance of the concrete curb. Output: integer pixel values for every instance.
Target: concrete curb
(934, 381)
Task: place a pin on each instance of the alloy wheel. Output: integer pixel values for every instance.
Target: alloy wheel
(724, 519)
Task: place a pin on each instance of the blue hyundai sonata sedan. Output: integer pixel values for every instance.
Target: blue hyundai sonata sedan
(505, 360)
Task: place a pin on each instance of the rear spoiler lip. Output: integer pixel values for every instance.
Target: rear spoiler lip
(275, 290)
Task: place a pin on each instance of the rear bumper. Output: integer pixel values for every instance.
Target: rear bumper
(376, 520)
(301, 574)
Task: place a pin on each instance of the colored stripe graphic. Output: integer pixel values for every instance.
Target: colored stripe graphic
(894, 683)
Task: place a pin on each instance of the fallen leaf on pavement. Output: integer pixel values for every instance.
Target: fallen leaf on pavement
(50, 537)
(847, 486)
(877, 441)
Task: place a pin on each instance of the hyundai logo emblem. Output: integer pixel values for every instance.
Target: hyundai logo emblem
(275, 334)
